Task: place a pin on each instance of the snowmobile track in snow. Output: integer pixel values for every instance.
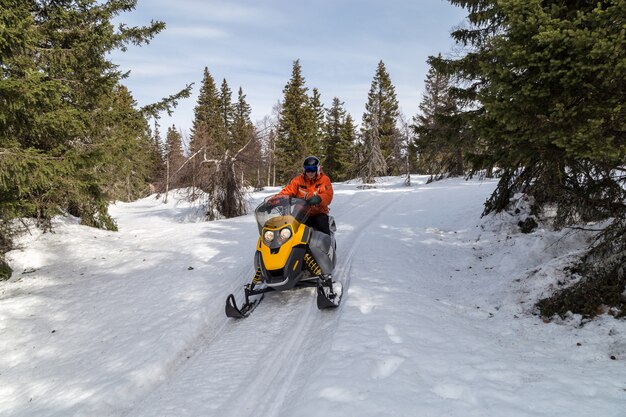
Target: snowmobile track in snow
(248, 368)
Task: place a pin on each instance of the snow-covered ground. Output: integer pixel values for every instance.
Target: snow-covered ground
(436, 318)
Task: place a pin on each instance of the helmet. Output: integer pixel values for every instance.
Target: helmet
(311, 164)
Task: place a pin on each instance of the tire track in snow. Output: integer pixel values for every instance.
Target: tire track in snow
(320, 333)
(206, 335)
(248, 367)
(280, 381)
(345, 268)
(290, 350)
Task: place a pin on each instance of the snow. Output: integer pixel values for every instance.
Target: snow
(437, 317)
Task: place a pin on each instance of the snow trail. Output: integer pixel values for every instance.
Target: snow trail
(276, 363)
(436, 318)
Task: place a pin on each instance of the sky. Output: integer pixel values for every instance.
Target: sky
(253, 45)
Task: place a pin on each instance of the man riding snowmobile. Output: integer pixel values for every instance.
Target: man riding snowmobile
(313, 186)
(296, 247)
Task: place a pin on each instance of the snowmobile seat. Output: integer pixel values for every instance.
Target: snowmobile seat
(322, 247)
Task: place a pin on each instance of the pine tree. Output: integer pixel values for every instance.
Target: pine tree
(339, 136)
(157, 155)
(242, 125)
(128, 155)
(549, 88)
(437, 135)
(57, 84)
(206, 127)
(347, 162)
(316, 146)
(227, 115)
(71, 137)
(381, 113)
(374, 159)
(223, 138)
(549, 98)
(208, 136)
(298, 130)
(174, 157)
(332, 137)
(244, 137)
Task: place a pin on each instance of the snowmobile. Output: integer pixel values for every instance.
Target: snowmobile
(289, 255)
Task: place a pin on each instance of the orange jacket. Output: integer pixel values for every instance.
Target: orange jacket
(303, 187)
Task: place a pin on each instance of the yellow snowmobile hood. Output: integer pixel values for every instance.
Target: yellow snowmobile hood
(277, 259)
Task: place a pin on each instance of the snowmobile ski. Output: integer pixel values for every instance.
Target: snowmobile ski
(235, 312)
(327, 297)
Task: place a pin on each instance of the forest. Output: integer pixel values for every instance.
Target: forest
(537, 100)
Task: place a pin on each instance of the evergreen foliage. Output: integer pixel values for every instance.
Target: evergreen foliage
(319, 113)
(245, 138)
(158, 153)
(71, 138)
(375, 163)
(207, 134)
(436, 129)
(379, 126)
(207, 126)
(550, 84)
(548, 80)
(128, 157)
(227, 114)
(347, 150)
(338, 142)
(174, 158)
(298, 131)
(242, 125)
(224, 150)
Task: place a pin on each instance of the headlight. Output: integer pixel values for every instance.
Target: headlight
(268, 236)
(285, 234)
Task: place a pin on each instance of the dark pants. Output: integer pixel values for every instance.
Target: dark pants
(319, 222)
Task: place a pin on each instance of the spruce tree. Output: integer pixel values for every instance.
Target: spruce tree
(437, 135)
(374, 162)
(221, 134)
(227, 115)
(332, 137)
(381, 113)
(247, 141)
(549, 88)
(157, 154)
(71, 138)
(242, 125)
(207, 141)
(174, 157)
(347, 162)
(316, 146)
(206, 127)
(128, 156)
(339, 136)
(298, 129)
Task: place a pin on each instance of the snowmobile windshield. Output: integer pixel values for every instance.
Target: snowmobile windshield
(281, 206)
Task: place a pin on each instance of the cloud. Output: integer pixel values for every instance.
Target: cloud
(201, 32)
(147, 68)
(218, 11)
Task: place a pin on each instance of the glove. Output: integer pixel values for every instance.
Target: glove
(271, 203)
(314, 201)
